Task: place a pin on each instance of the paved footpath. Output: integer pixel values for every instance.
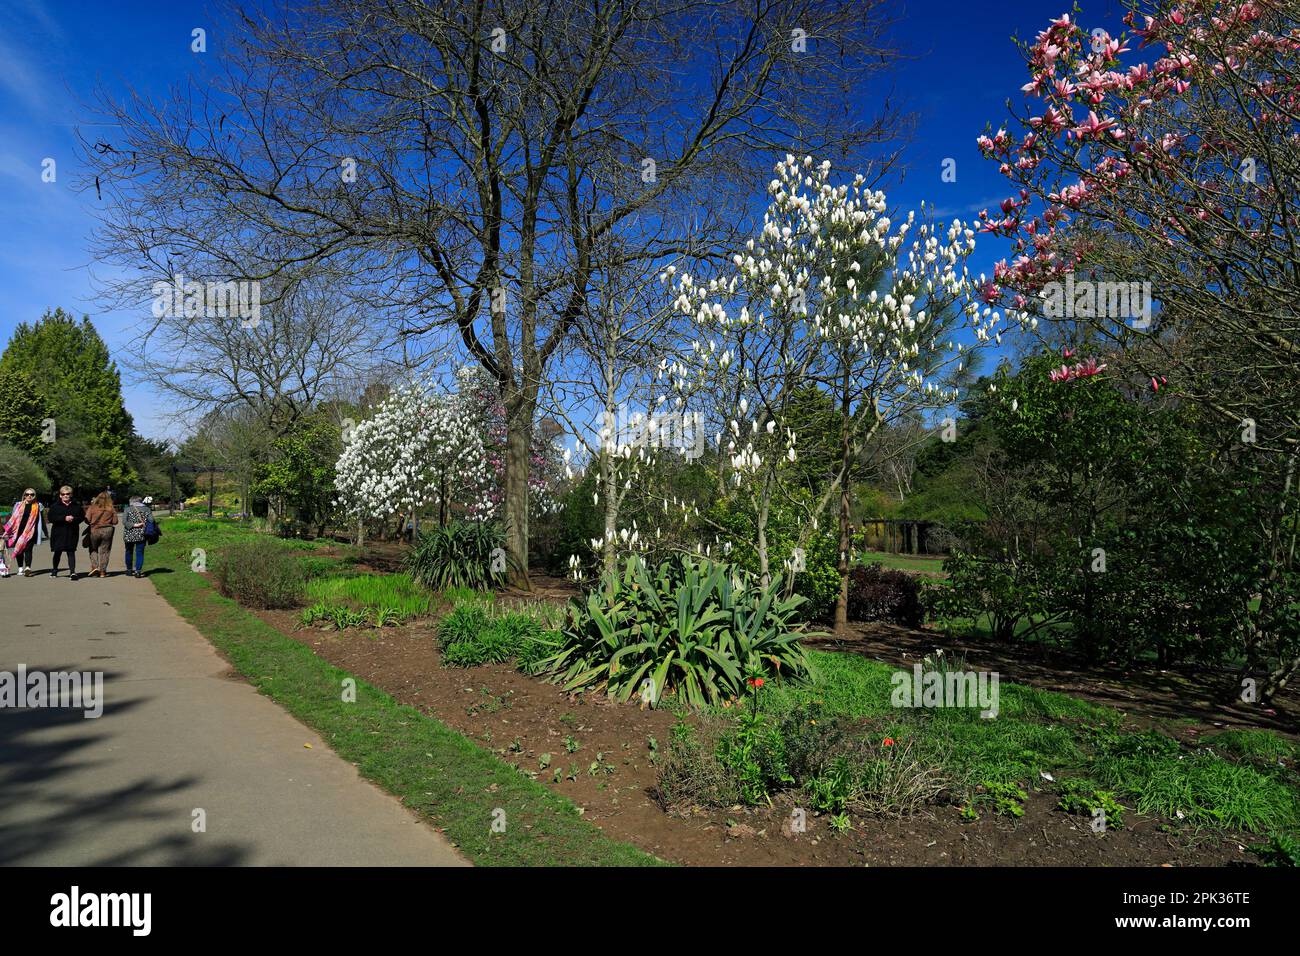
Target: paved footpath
(179, 732)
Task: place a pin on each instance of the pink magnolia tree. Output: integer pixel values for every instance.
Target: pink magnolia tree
(1168, 158)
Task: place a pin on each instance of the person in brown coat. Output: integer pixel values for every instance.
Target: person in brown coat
(100, 521)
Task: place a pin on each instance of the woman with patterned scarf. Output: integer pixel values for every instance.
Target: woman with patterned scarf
(24, 530)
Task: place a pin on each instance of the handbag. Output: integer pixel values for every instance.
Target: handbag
(151, 531)
(85, 538)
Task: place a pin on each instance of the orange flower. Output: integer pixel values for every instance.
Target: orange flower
(755, 682)
(889, 741)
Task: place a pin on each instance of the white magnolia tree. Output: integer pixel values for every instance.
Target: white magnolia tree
(419, 448)
(830, 293)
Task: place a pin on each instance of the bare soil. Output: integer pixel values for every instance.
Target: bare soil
(611, 777)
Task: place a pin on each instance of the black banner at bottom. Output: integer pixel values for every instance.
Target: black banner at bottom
(339, 905)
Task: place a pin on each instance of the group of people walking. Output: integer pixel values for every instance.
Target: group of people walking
(31, 522)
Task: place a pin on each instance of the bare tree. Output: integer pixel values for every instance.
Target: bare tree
(889, 457)
(230, 440)
(305, 345)
(610, 389)
(459, 162)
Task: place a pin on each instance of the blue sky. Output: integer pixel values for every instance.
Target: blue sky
(54, 54)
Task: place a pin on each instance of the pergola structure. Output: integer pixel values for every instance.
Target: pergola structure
(895, 535)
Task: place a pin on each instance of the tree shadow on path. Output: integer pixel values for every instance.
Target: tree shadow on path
(51, 798)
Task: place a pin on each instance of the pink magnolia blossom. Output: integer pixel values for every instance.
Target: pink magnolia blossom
(1093, 126)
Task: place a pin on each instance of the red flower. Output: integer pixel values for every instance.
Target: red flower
(889, 741)
(755, 682)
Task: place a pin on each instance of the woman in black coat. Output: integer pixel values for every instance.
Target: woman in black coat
(66, 516)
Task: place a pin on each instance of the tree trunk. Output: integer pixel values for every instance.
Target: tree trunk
(519, 420)
(443, 491)
(842, 602)
(764, 568)
(609, 488)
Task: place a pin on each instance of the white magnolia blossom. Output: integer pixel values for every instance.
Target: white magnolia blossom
(417, 444)
(830, 288)
(805, 267)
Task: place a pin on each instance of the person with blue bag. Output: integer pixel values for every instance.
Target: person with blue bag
(138, 529)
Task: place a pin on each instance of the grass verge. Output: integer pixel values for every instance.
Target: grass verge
(433, 770)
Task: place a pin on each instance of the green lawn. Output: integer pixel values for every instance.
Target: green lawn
(904, 562)
(435, 771)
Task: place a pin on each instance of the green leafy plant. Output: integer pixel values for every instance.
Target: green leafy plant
(691, 628)
(753, 752)
(395, 592)
(471, 636)
(1083, 797)
(1282, 849)
(461, 625)
(1007, 798)
(387, 616)
(315, 567)
(345, 617)
(316, 613)
(535, 647)
(456, 556)
(262, 573)
(834, 788)
(491, 646)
